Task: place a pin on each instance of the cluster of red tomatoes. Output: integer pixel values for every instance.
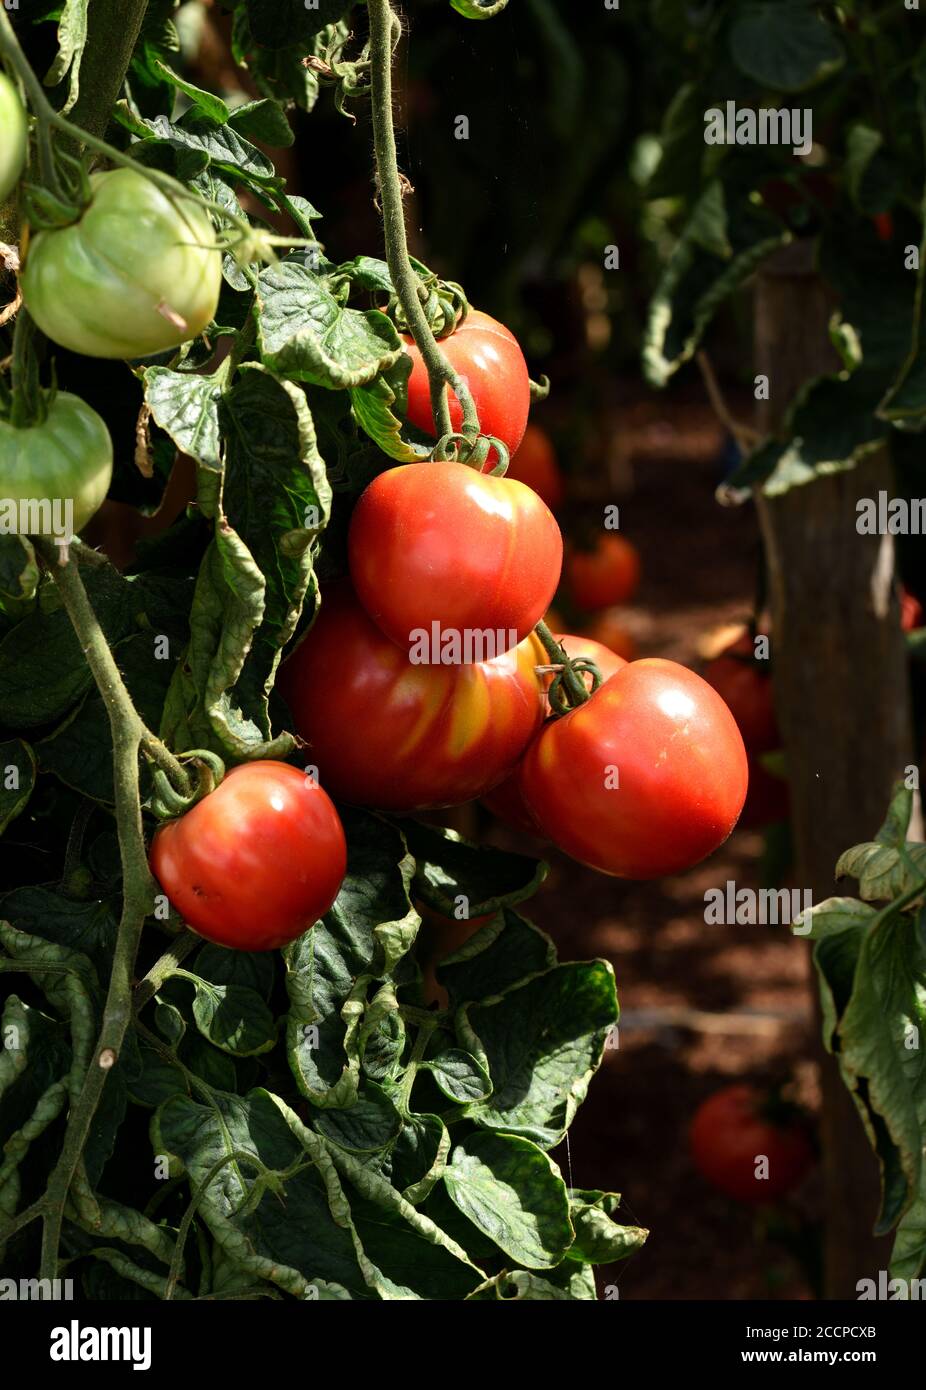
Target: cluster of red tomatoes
(422, 684)
(645, 777)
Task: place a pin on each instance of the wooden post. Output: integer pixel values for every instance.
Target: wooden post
(842, 692)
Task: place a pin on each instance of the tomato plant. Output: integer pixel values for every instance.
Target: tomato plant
(749, 1146)
(209, 976)
(646, 778)
(400, 736)
(441, 543)
(535, 464)
(488, 357)
(13, 147)
(745, 685)
(138, 273)
(607, 573)
(257, 862)
(65, 458)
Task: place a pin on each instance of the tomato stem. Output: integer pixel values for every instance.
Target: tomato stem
(385, 29)
(165, 966)
(137, 895)
(568, 689)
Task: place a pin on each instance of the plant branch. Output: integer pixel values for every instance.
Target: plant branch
(405, 282)
(165, 966)
(127, 731)
(746, 437)
(572, 680)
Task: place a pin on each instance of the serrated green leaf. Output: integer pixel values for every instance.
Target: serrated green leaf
(304, 333)
(211, 106)
(233, 1017)
(541, 1042)
(460, 1076)
(448, 867)
(513, 1192)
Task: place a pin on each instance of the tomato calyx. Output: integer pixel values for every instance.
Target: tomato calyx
(568, 688)
(444, 302)
(460, 448)
(167, 801)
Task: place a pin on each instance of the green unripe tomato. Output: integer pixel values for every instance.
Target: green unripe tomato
(66, 459)
(12, 137)
(135, 276)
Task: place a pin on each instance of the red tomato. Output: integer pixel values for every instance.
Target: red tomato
(535, 464)
(911, 611)
(256, 862)
(746, 686)
(730, 1132)
(606, 575)
(491, 362)
(401, 737)
(507, 800)
(884, 225)
(608, 629)
(645, 778)
(440, 543)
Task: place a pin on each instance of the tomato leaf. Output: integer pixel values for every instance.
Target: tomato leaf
(362, 937)
(450, 867)
(305, 334)
(460, 1076)
(233, 1017)
(541, 1042)
(263, 120)
(784, 44)
(501, 954)
(515, 1194)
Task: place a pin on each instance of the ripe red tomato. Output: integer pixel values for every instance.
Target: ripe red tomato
(441, 543)
(884, 225)
(401, 737)
(645, 778)
(911, 611)
(506, 801)
(489, 358)
(256, 862)
(729, 1132)
(603, 576)
(535, 464)
(746, 686)
(608, 629)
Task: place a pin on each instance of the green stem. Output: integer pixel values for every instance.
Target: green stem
(573, 683)
(163, 758)
(165, 966)
(126, 730)
(405, 282)
(421, 1046)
